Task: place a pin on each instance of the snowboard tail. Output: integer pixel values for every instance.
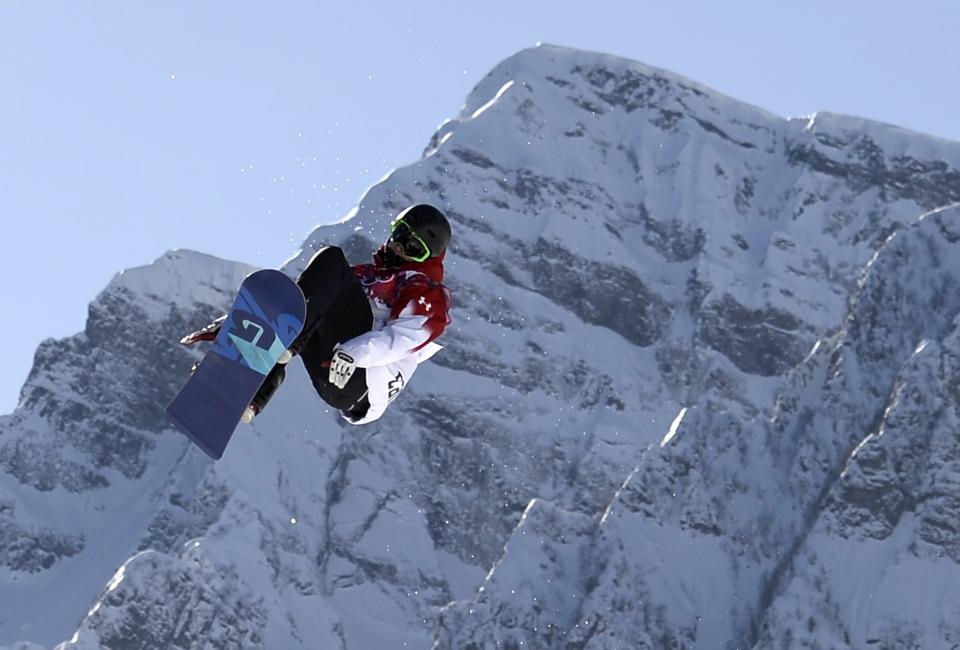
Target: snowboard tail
(265, 319)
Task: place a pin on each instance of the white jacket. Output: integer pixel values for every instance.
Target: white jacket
(390, 353)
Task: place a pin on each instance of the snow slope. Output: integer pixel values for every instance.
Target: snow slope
(693, 345)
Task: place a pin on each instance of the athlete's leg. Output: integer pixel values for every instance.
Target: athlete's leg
(336, 307)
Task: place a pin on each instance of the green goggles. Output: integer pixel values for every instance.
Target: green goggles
(414, 248)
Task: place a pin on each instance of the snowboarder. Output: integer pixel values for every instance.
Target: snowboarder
(369, 326)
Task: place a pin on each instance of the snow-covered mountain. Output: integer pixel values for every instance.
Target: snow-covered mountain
(700, 391)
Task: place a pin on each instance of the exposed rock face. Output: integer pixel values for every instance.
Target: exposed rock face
(699, 390)
(83, 468)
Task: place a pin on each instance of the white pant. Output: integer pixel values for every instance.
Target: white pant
(385, 382)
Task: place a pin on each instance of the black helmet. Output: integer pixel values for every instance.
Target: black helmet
(422, 230)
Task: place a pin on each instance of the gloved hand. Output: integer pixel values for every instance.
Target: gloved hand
(342, 367)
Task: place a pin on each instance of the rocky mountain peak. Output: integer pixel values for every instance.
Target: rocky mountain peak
(700, 357)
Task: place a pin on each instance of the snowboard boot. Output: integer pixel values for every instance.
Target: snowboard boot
(206, 333)
(248, 414)
(266, 392)
(209, 332)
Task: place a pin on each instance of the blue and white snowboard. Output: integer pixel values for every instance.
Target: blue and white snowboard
(265, 319)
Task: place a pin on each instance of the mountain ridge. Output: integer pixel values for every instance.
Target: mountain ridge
(633, 289)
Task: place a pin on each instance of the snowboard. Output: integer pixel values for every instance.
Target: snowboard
(265, 319)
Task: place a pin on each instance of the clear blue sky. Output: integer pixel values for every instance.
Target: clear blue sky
(131, 128)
